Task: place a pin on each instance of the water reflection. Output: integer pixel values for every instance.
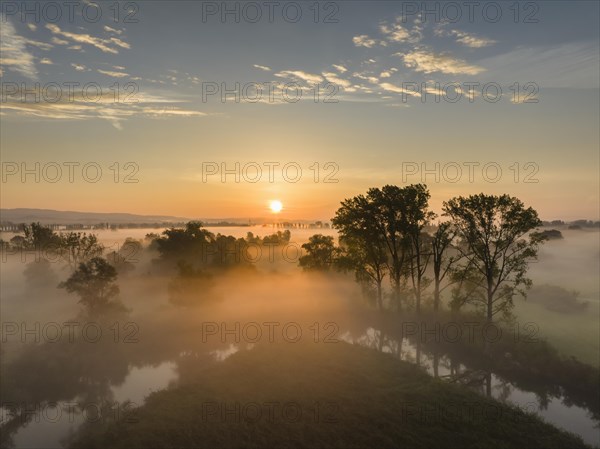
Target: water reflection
(50, 391)
(551, 405)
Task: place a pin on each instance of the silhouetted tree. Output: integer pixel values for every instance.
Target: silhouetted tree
(386, 205)
(189, 244)
(227, 251)
(415, 217)
(395, 217)
(496, 247)
(321, 253)
(41, 238)
(441, 243)
(364, 247)
(94, 283)
(80, 247)
(126, 256)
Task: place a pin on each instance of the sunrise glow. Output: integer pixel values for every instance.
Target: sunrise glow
(276, 206)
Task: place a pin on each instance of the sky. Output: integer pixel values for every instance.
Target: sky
(214, 109)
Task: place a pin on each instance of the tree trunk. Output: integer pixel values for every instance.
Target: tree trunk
(379, 296)
(436, 294)
(490, 297)
(397, 294)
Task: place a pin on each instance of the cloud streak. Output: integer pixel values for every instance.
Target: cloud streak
(104, 45)
(76, 107)
(300, 75)
(13, 49)
(429, 62)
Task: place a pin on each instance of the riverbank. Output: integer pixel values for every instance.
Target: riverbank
(320, 395)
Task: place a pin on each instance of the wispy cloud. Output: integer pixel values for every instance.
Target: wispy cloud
(113, 74)
(366, 76)
(364, 41)
(398, 89)
(472, 41)
(78, 108)
(335, 79)
(112, 30)
(428, 62)
(464, 38)
(263, 67)
(103, 45)
(58, 41)
(397, 32)
(41, 45)
(13, 49)
(300, 75)
(120, 43)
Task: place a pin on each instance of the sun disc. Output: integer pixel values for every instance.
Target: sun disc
(276, 206)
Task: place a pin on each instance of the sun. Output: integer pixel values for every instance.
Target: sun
(276, 206)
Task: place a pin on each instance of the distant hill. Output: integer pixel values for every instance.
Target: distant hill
(56, 217)
(49, 216)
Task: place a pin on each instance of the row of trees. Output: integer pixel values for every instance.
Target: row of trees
(482, 249)
(93, 278)
(196, 253)
(71, 247)
(199, 254)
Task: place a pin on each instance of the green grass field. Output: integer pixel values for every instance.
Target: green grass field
(347, 396)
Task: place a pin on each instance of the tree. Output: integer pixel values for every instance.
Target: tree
(369, 261)
(41, 238)
(95, 283)
(18, 241)
(416, 216)
(321, 253)
(227, 251)
(441, 242)
(497, 246)
(364, 247)
(189, 244)
(386, 207)
(120, 262)
(80, 247)
(279, 238)
(126, 256)
(394, 218)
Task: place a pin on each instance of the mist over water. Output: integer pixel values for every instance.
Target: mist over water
(271, 302)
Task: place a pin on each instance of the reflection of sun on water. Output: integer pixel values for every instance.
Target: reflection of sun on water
(276, 206)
